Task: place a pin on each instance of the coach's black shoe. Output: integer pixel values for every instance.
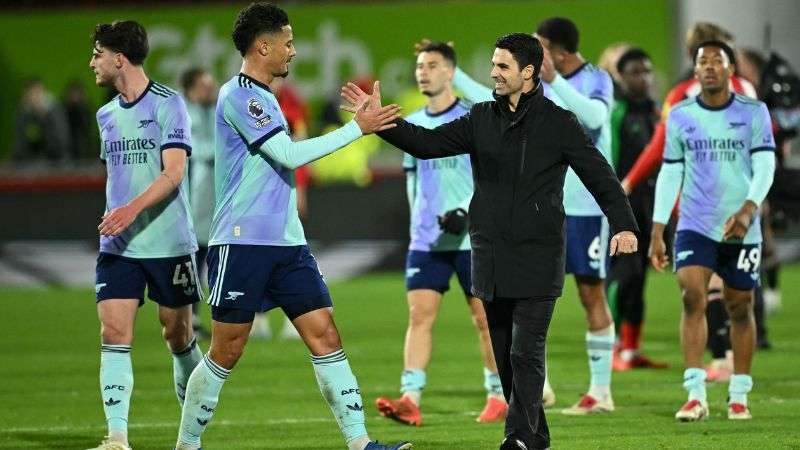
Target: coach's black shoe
(511, 443)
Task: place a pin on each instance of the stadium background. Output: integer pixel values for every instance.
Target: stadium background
(49, 211)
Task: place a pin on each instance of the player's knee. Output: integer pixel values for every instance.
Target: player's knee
(420, 317)
(116, 334)
(330, 341)
(177, 334)
(591, 292)
(693, 300)
(228, 354)
(740, 310)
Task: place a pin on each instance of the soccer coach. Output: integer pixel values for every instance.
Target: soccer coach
(520, 145)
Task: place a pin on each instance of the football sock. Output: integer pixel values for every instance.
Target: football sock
(202, 395)
(340, 389)
(116, 384)
(630, 336)
(183, 363)
(599, 347)
(740, 385)
(718, 325)
(358, 443)
(491, 381)
(694, 381)
(412, 382)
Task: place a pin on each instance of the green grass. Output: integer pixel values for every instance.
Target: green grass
(50, 397)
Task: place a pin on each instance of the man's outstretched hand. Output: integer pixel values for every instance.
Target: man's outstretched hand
(370, 116)
(354, 97)
(374, 120)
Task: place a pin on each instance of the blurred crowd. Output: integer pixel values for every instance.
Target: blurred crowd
(54, 129)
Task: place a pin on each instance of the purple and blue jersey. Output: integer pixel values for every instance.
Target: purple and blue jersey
(132, 136)
(439, 185)
(255, 195)
(716, 147)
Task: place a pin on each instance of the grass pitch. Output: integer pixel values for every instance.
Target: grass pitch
(50, 396)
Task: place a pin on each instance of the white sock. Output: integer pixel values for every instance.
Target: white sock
(358, 443)
(600, 348)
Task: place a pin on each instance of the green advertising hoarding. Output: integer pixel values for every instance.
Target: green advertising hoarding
(334, 41)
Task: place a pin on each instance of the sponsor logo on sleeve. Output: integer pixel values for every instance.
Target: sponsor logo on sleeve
(262, 122)
(177, 133)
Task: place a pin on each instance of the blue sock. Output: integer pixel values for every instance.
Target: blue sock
(116, 384)
(694, 381)
(183, 363)
(739, 387)
(491, 381)
(202, 395)
(599, 347)
(340, 389)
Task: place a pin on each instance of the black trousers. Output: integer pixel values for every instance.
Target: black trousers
(626, 278)
(518, 327)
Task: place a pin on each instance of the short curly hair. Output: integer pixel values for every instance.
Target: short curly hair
(256, 19)
(123, 36)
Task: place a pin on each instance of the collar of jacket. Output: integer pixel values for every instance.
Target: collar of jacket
(524, 104)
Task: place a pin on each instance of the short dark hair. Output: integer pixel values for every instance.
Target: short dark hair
(124, 36)
(560, 31)
(254, 20)
(714, 43)
(441, 48)
(633, 54)
(189, 78)
(526, 50)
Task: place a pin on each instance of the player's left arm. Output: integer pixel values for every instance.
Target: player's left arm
(593, 109)
(762, 161)
(175, 125)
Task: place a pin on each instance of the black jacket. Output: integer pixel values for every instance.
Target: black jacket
(519, 160)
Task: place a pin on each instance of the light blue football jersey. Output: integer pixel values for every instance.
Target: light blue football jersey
(715, 145)
(442, 184)
(255, 196)
(132, 136)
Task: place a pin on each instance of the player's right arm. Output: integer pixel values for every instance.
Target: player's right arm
(472, 90)
(255, 123)
(668, 187)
